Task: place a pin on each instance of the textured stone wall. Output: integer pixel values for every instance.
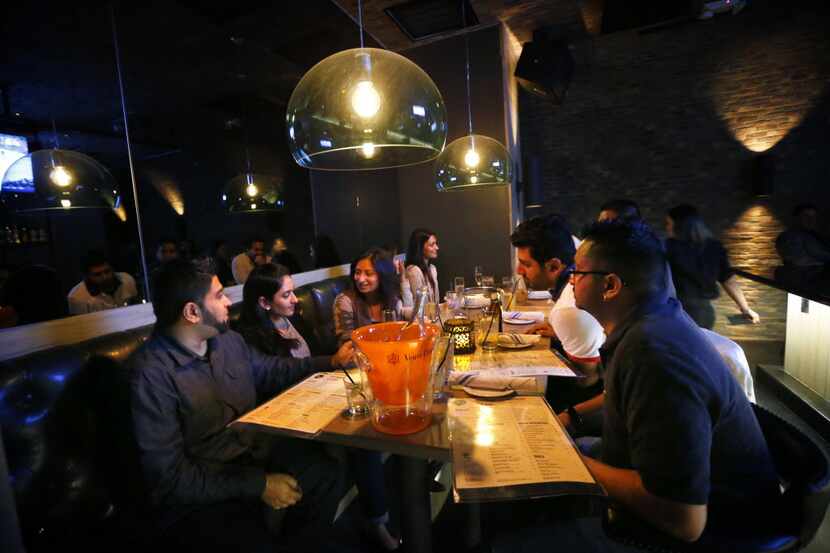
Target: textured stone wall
(679, 115)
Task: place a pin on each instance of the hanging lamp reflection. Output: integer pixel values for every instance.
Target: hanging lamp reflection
(365, 108)
(253, 192)
(56, 179)
(473, 161)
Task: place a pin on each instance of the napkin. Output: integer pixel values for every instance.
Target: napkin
(538, 295)
(492, 381)
(506, 338)
(537, 316)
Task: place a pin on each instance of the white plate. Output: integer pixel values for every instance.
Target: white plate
(488, 394)
(519, 321)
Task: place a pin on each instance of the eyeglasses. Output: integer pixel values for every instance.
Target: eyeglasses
(603, 273)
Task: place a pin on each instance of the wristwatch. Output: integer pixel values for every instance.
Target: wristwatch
(576, 418)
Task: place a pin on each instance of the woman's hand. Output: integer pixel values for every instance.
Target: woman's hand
(343, 356)
(399, 268)
(752, 315)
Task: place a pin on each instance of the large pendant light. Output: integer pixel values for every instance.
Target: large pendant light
(57, 179)
(472, 161)
(365, 108)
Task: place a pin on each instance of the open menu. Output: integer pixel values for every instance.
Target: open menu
(305, 408)
(514, 449)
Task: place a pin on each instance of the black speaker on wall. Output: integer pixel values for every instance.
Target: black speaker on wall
(545, 68)
(534, 188)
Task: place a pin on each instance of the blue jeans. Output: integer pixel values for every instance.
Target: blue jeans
(367, 470)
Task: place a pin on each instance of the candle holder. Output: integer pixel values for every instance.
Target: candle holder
(462, 331)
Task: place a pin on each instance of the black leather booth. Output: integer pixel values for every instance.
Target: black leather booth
(65, 427)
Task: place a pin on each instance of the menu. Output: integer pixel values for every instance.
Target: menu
(514, 449)
(536, 361)
(307, 407)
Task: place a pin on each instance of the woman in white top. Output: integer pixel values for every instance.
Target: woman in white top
(420, 271)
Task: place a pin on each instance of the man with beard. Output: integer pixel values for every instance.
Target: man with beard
(545, 253)
(208, 484)
(101, 288)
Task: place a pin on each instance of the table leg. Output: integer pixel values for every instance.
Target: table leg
(416, 522)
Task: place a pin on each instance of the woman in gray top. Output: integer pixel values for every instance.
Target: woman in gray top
(375, 288)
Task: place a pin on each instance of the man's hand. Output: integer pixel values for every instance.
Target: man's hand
(565, 419)
(542, 329)
(281, 491)
(343, 356)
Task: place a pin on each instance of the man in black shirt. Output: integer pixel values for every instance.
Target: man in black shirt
(209, 485)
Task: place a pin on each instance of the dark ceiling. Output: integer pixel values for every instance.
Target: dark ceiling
(186, 65)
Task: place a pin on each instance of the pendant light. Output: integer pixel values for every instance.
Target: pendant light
(57, 179)
(472, 161)
(365, 108)
(253, 193)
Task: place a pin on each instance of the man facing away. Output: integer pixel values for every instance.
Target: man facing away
(210, 485)
(102, 288)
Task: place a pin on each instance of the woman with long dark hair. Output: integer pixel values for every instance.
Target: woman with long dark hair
(420, 270)
(698, 263)
(374, 288)
(268, 302)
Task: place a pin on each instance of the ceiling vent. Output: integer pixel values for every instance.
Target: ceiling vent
(422, 19)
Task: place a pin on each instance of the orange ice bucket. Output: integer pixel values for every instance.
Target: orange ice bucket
(399, 374)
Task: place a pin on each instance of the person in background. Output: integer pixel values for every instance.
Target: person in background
(167, 250)
(101, 288)
(244, 263)
(222, 260)
(545, 253)
(804, 252)
(268, 305)
(209, 485)
(698, 263)
(420, 268)
(620, 208)
(325, 252)
(375, 287)
(281, 255)
(188, 249)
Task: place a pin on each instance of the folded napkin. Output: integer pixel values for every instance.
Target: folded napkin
(510, 339)
(492, 381)
(538, 295)
(537, 316)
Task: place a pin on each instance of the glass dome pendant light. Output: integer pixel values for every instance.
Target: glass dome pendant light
(472, 161)
(57, 179)
(365, 108)
(253, 192)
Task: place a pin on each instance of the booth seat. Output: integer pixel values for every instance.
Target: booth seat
(65, 426)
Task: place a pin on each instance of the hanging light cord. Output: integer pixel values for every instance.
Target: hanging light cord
(467, 65)
(360, 20)
(55, 134)
(130, 154)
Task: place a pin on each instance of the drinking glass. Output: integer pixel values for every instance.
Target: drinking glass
(488, 332)
(358, 405)
(431, 312)
(477, 272)
(458, 285)
(488, 281)
(441, 364)
(389, 315)
(507, 283)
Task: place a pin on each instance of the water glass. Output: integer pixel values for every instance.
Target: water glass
(488, 332)
(477, 272)
(389, 315)
(358, 404)
(441, 364)
(431, 312)
(507, 283)
(458, 285)
(488, 281)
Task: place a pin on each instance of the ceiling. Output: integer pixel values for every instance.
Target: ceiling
(191, 68)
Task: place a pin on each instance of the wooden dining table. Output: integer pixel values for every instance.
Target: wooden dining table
(415, 451)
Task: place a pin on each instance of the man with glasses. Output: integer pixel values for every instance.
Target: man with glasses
(545, 251)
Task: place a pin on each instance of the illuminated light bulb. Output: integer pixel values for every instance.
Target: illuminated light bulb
(224, 197)
(253, 206)
(368, 150)
(60, 176)
(365, 99)
(474, 179)
(471, 158)
(252, 190)
(66, 204)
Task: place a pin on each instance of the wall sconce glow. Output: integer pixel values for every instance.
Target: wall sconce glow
(60, 176)
(365, 99)
(66, 204)
(471, 158)
(474, 179)
(169, 190)
(121, 213)
(253, 206)
(368, 149)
